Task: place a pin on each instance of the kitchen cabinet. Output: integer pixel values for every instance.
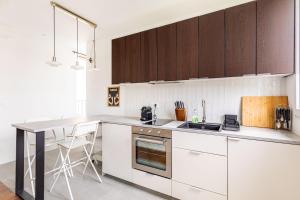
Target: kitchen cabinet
(149, 55)
(212, 45)
(200, 161)
(187, 192)
(116, 151)
(200, 142)
(133, 57)
(166, 52)
(253, 38)
(240, 38)
(201, 170)
(263, 170)
(119, 71)
(187, 49)
(275, 36)
(153, 182)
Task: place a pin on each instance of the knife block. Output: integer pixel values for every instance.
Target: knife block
(181, 114)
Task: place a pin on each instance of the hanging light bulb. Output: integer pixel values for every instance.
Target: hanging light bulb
(77, 66)
(54, 62)
(94, 66)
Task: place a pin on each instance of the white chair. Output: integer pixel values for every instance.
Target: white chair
(51, 140)
(83, 136)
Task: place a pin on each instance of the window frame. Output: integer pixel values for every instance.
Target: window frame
(297, 54)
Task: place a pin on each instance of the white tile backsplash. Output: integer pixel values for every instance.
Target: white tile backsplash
(223, 96)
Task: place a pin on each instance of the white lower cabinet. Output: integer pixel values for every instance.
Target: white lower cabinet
(263, 170)
(116, 151)
(187, 192)
(201, 170)
(153, 182)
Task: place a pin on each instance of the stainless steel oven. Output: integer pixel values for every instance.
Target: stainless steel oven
(152, 150)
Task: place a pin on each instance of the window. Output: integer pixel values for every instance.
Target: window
(297, 52)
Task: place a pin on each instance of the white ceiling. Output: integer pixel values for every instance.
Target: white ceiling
(114, 17)
(119, 17)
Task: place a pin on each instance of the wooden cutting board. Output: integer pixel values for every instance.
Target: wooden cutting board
(259, 111)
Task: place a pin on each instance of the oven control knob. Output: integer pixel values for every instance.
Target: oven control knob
(149, 131)
(141, 130)
(158, 132)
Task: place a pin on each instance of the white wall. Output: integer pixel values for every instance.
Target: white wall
(223, 96)
(30, 89)
(291, 92)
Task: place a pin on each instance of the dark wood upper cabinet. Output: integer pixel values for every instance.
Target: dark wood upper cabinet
(119, 74)
(240, 38)
(166, 47)
(211, 45)
(133, 57)
(275, 36)
(149, 56)
(253, 38)
(187, 49)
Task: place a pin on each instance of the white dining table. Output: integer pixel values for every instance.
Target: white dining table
(39, 129)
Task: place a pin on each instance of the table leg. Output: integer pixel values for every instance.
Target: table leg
(40, 165)
(19, 185)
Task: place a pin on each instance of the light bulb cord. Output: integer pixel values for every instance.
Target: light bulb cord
(94, 47)
(77, 37)
(54, 53)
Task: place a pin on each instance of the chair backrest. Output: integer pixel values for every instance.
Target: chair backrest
(86, 128)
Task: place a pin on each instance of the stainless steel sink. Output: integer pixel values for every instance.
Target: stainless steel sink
(202, 126)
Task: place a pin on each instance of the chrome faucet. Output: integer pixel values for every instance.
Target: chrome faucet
(154, 112)
(204, 113)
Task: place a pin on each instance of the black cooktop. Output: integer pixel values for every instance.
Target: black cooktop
(158, 122)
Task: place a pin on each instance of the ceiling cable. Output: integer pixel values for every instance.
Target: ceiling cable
(53, 62)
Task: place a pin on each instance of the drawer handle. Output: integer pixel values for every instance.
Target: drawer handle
(196, 153)
(195, 189)
(233, 139)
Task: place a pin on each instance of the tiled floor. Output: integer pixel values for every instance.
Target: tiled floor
(83, 188)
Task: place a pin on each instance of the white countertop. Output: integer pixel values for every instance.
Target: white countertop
(262, 134)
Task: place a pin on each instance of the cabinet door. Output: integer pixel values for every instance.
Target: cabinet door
(119, 72)
(166, 46)
(149, 55)
(187, 49)
(202, 170)
(275, 36)
(116, 151)
(263, 170)
(211, 45)
(187, 192)
(240, 34)
(153, 182)
(133, 57)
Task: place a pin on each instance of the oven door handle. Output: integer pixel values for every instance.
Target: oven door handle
(150, 140)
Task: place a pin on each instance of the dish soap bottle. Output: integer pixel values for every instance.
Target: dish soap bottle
(195, 117)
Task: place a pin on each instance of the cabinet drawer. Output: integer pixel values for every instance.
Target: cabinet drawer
(206, 171)
(153, 182)
(186, 192)
(200, 142)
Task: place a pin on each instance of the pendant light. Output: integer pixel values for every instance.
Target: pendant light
(77, 66)
(94, 67)
(53, 62)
